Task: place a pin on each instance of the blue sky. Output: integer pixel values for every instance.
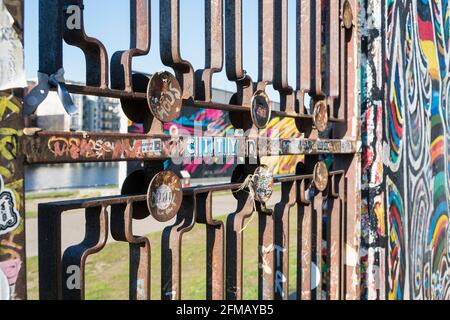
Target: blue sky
(108, 21)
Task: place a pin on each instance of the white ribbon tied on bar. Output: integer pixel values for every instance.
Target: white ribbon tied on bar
(248, 184)
(40, 92)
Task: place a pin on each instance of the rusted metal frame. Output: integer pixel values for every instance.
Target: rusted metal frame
(71, 147)
(169, 15)
(234, 246)
(171, 249)
(94, 51)
(308, 234)
(213, 49)
(233, 53)
(49, 239)
(140, 42)
(140, 250)
(292, 186)
(140, 98)
(282, 209)
(75, 257)
(334, 237)
(281, 61)
(215, 249)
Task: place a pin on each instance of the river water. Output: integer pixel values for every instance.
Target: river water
(66, 176)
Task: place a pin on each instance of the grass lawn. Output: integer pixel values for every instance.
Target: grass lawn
(107, 271)
(51, 195)
(33, 199)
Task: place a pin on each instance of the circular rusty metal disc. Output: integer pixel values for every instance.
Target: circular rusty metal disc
(320, 176)
(263, 184)
(164, 196)
(347, 15)
(321, 116)
(164, 96)
(261, 109)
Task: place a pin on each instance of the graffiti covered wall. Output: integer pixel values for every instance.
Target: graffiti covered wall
(416, 148)
(373, 213)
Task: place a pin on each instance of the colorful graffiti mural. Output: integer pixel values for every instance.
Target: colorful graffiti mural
(217, 123)
(417, 148)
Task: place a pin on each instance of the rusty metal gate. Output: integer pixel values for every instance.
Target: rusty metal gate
(323, 102)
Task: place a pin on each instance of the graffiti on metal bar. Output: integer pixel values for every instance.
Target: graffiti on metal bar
(67, 147)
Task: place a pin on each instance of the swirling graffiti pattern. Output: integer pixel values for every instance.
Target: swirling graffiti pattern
(417, 141)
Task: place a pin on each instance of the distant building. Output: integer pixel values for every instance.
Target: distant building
(100, 114)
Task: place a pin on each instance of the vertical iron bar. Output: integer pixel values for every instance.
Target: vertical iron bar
(75, 257)
(215, 261)
(281, 61)
(139, 254)
(50, 36)
(317, 48)
(213, 49)
(49, 248)
(304, 271)
(214, 247)
(234, 246)
(304, 32)
(233, 51)
(233, 39)
(304, 248)
(140, 41)
(334, 244)
(140, 260)
(265, 34)
(169, 14)
(94, 50)
(282, 209)
(333, 53)
(171, 249)
(351, 164)
(317, 246)
(266, 250)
